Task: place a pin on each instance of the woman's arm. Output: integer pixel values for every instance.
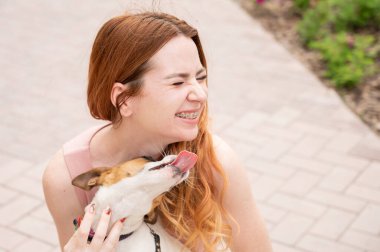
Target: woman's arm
(64, 206)
(60, 197)
(240, 204)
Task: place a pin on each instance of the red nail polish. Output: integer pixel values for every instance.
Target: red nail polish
(123, 219)
(108, 211)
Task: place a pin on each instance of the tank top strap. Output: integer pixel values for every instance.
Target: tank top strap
(76, 154)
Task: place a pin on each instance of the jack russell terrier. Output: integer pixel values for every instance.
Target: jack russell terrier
(133, 190)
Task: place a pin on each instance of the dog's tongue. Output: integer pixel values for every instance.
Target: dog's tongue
(185, 160)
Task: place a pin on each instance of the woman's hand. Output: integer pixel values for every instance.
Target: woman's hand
(78, 242)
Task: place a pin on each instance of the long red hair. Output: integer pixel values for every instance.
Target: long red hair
(193, 211)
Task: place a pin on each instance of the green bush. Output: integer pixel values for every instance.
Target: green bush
(313, 25)
(355, 14)
(325, 27)
(333, 16)
(301, 5)
(348, 59)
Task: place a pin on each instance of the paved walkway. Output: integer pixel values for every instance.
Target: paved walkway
(314, 166)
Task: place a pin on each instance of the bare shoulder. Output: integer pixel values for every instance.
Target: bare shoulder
(56, 178)
(239, 187)
(60, 196)
(54, 169)
(232, 165)
(250, 233)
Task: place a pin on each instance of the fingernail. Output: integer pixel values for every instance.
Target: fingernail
(123, 219)
(108, 210)
(92, 208)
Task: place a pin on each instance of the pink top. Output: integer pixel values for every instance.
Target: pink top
(76, 153)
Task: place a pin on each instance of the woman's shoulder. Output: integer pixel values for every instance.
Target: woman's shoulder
(227, 157)
(60, 196)
(239, 202)
(233, 168)
(56, 170)
(56, 179)
(56, 182)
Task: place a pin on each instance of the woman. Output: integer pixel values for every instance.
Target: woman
(148, 77)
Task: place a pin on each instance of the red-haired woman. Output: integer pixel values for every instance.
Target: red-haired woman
(148, 78)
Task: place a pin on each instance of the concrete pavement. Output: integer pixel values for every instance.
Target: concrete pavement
(314, 166)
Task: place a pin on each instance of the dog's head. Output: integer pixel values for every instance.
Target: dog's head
(140, 180)
(171, 170)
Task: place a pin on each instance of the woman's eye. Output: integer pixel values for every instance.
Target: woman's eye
(177, 83)
(202, 78)
(199, 79)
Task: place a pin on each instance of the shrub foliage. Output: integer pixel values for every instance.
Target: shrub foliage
(343, 32)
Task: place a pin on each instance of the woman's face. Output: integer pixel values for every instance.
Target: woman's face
(174, 93)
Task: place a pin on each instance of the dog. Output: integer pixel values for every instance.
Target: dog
(133, 190)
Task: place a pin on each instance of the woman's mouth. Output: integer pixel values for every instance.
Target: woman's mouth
(187, 115)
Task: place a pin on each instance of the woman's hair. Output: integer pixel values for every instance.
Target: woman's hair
(193, 211)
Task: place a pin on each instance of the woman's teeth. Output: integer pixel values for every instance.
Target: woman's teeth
(188, 115)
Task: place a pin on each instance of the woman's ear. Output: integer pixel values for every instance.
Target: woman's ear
(125, 108)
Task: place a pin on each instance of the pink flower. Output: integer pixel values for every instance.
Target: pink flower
(350, 41)
(260, 1)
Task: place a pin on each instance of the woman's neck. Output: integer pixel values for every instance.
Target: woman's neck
(113, 145)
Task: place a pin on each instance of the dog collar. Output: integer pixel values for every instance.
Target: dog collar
(157, 243)
(124, 236)
(121, 237)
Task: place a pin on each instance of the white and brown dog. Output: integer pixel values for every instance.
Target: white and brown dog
(133, 190)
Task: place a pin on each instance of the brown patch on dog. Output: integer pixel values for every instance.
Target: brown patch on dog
(105, 176)
(87, 180)
(108, 176)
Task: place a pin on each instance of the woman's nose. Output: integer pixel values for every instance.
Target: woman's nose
(198, 92)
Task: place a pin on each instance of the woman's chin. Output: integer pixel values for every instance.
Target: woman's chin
(188, 135)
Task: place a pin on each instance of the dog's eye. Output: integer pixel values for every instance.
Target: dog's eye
(149, 158)
(157, 167)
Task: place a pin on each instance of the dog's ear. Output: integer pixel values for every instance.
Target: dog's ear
(88, 180)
